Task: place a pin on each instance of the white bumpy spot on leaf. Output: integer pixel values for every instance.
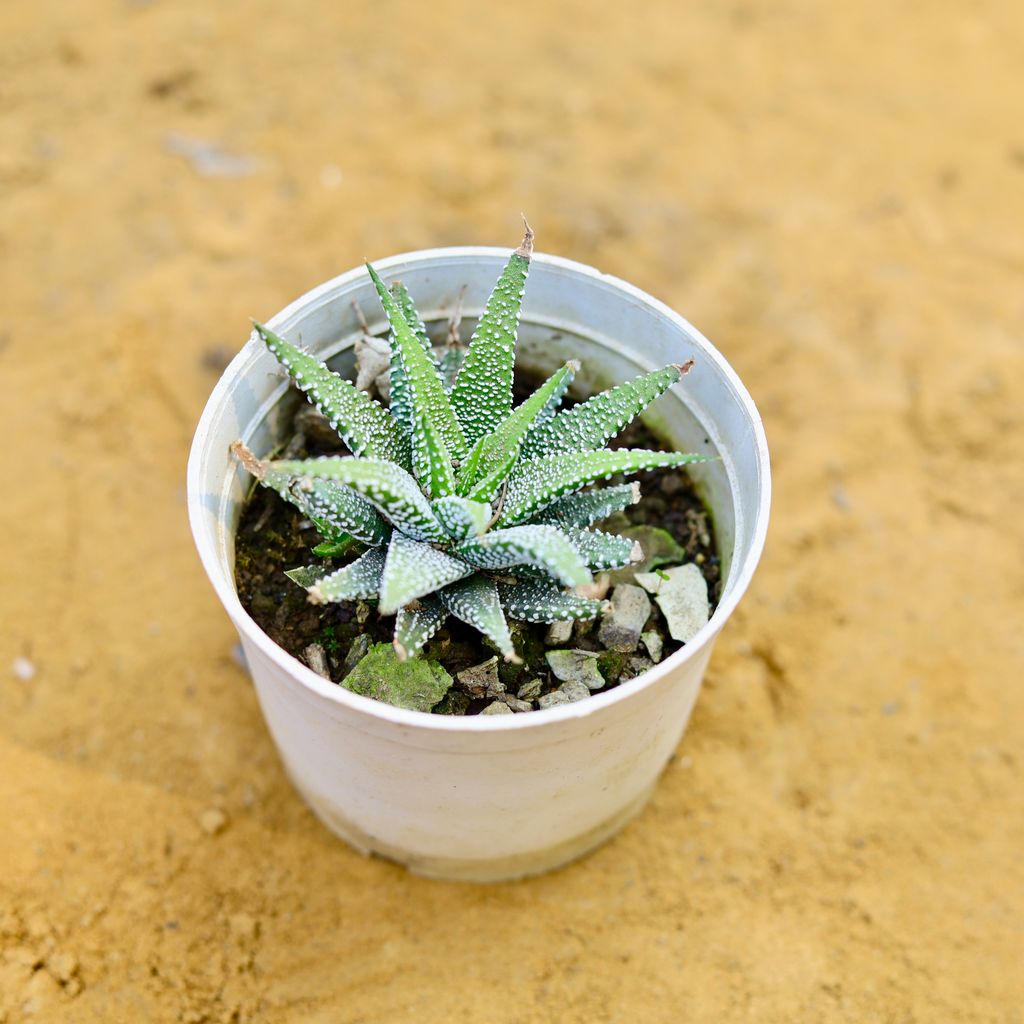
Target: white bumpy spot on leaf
(602, 550)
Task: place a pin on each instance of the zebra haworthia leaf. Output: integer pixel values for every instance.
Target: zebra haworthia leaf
(461, 518)
(390, 489)
(355, 581)
(482, 395)
(604, 550)
(475, 600)
(589, 425)
(535, 485)
(365, 426)
(590, 507)
(436, 435)
(545, 547)
(541, 600)
(413, 570)
(415, 624)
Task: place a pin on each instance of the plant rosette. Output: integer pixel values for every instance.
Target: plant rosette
(453, 503)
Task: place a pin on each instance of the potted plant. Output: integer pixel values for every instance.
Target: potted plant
(452, 503)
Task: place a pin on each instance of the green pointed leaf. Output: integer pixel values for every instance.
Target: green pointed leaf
(589, 425)
(334, 548)
(305, 576)
(542, 600)
(436, 434)
(337, 511)
(450, 364)
(461, 518)
(357, 580)
(415, 624)
(413, 570)
(401, 402)
(545, 547)
(589, 507)
(482, 396)
(535, 485)
(501, 447)
(604, 550)
(386, 486)
(364, 425)
(475, 601)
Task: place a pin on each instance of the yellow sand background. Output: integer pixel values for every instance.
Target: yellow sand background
(833, 192)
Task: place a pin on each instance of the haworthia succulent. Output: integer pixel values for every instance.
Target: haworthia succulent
(604, 550)
(589, 507)
(535, 485)
(436, 435)
(541, 600)
(482, 396)
(545, 547)
(415, 624)
(358, 579)
(475, 600)
(386, 486)
(460, 517)
(413, 569)
(500, 448)
(364, 425)
(589, 425)
(465, 506)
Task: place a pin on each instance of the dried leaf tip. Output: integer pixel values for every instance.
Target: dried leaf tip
(400, 652)
(637, 553)
(314, 595)
(249, 461)
(635, 488)
(684, 368)
(526, 246)
(513, 659)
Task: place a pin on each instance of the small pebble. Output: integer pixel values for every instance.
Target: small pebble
(553, 699)
(482, 680)
(575, 690)
(530, 690)
(498, 707)
(316, 658)
(623, 622)
(654, 644)
(357, 651)
(518, 705)
(213, 821)
(682, 595)
(23, 669)
(63, 966)
(558, 633)
(576, 666)
(637, 665)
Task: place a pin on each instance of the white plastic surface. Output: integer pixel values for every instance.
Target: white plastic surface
(487, 797)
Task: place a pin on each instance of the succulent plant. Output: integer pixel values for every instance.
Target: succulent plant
(456, 503)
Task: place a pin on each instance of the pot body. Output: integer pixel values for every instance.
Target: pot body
(488, 797)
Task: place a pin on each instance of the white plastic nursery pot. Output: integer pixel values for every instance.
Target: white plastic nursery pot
(491, 797)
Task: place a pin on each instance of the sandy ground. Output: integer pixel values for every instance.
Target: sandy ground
(833, 193)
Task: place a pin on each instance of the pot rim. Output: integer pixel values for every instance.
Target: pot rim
(223, 585)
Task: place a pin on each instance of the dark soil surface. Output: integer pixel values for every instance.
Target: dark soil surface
(273, 536)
